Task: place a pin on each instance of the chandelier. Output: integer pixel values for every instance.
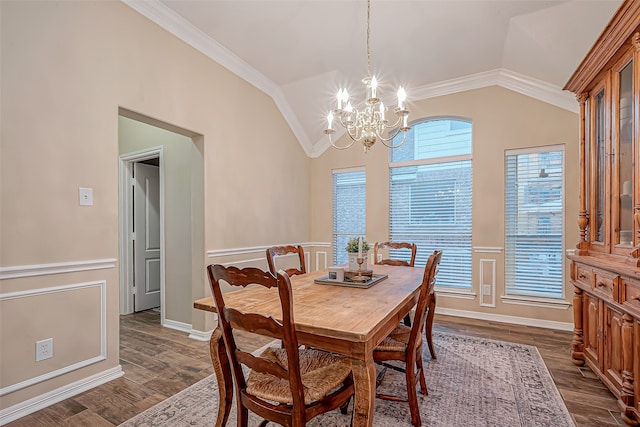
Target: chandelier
(368, 124)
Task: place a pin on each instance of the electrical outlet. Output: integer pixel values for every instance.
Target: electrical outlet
(486, 289)
(44, 349)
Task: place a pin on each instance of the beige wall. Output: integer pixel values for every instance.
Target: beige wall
(67, 67)
(502, 120)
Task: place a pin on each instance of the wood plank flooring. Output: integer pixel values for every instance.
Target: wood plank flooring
(158, 362)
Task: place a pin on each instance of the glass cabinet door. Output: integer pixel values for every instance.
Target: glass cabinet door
(624, 159)
(600, 166)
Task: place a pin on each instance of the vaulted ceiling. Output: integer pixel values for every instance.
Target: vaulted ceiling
(300, 52)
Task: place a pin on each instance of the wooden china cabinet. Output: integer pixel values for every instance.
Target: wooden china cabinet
(605, 268)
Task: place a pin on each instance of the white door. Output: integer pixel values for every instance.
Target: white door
(146, 243)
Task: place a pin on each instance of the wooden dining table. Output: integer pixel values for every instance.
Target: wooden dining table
(346, 320)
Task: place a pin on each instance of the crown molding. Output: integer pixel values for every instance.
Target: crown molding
(185, 31)
(507, 79)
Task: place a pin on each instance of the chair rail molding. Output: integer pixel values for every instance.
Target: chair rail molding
(488, 249)
(213, 253)
(20, 271)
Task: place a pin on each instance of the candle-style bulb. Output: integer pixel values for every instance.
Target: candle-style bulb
(330, 119)
(381, 110)
(349, 108)
(374, 86)
(402, 96)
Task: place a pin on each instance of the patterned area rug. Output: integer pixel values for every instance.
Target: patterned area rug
(474, 382)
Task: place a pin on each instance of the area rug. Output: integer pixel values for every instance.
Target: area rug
(474, 382)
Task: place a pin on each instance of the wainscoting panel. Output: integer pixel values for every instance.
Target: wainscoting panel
(321, 260)
(73, 316)
(487, 282)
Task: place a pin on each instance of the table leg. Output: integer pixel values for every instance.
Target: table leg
(429, 326)
(364, 379)
(223, 376)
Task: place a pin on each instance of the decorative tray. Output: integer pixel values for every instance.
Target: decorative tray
(367, 283)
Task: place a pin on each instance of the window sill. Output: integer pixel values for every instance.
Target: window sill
(455, 293)
(536, 302)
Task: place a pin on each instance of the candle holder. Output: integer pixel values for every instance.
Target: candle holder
(360, 277)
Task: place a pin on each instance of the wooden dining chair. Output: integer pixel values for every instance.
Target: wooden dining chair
(380, 247)
(286, 385)
(383, 247)
(275, 251)
(405, 344)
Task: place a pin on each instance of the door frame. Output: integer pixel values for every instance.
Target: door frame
(125, 220)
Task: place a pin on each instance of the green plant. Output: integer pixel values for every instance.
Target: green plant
(352, 245)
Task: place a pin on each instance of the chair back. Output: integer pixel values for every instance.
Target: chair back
(230, 319)
(395, 245)
(275, 251)
(424, 299)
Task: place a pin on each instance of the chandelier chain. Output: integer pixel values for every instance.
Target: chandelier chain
(368, 36)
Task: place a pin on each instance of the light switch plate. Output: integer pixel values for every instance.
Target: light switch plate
(86, 196)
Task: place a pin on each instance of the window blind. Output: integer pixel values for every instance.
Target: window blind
(534, 222)
(430, 194)
(349, 207)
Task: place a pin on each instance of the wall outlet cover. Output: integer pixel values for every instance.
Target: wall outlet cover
(44, 349)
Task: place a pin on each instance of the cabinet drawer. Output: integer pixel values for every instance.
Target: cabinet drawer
(606, 284)
(630, 295)
(583, 275)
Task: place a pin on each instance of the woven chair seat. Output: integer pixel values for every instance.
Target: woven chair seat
(321, 373)
(397, 340)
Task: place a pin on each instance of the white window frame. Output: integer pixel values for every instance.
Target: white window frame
(512, 295)
(465, 290)
(351, 233)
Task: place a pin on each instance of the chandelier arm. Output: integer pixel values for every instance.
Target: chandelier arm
(338, 147)
(404, 138)
(353, 129)
(397, 122)
(391, 136)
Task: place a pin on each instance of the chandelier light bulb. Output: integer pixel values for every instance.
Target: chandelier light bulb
(402, 96)
(330, 120)
(374, 86)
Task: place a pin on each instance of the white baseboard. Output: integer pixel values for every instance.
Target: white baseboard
(527, 321)
(27, 407)
(178, 326)
(200, 335)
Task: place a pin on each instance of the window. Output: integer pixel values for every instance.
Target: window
(430, 187)
(534, 223)
(349, 206)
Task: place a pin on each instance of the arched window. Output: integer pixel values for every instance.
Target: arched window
(430, 188)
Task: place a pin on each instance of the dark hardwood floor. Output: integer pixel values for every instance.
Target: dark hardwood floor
(158, 362)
